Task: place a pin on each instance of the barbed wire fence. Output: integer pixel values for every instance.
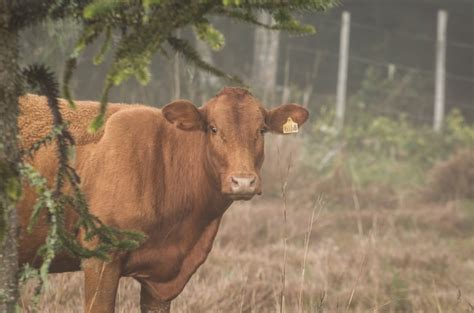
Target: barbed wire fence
(411, 89)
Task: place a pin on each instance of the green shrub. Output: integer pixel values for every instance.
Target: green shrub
(379, 143)
(382, 149)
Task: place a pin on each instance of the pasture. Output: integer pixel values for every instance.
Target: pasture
(363, 255)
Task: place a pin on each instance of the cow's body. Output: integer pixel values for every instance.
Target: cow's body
(140, 173)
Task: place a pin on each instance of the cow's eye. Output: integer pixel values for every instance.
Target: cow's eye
(213, 129)
(263, 130)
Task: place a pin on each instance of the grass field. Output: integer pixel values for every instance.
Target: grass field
(363, 254)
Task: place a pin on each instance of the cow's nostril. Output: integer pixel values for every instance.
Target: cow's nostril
(252, 181)
(234, 180)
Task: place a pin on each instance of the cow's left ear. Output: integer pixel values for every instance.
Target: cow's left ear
(184, 115)
(282, 119)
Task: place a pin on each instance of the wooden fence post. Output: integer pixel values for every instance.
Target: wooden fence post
(440, 78)
(343, 66)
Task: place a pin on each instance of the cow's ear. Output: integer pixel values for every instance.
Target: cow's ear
(184, 115)
(286, 118)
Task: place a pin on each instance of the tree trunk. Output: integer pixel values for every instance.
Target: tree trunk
(285, 97)
(9, 157)
(311, 78)
(265, 60)
(176, 71)
(207, 82)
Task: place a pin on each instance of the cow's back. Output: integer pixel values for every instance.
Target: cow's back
(35, 120)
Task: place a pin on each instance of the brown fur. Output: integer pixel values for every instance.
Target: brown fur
(162, 172)
(37, 119)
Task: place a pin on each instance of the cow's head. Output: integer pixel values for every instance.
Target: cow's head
(234, 123)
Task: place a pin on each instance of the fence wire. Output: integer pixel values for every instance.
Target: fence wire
(404, 79)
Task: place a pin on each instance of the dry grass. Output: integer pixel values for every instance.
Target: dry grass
(406, 260)
(453, 178)
(354, 258)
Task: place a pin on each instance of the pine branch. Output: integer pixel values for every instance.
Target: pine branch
(207, 33)
(284, 21)
(89, 34)
(183, 47)
(245, 16)
(293, 5)
(99, 57)
(31, 12)
(69, 69)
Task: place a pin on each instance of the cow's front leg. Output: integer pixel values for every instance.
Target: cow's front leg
(101, 279)
(150, 302)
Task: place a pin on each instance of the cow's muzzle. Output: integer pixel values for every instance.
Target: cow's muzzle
(244, 186)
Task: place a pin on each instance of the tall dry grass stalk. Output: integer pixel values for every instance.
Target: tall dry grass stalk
(94, 297)
(318, 204)
(284, 184)
(355, 198)
(356, 283)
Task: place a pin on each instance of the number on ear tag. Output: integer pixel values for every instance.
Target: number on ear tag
(290, 127)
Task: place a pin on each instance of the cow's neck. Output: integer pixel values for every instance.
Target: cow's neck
(189, 185)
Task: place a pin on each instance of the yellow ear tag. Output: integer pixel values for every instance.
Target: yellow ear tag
(290, 127)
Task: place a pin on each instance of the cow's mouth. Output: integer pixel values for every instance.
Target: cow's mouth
(241, 197)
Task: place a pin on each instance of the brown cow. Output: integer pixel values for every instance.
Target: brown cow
(168, 173)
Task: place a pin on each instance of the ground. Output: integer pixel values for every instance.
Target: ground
(414, 258)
